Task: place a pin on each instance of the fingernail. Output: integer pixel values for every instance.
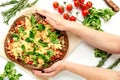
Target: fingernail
(44, 17)
(42, 71)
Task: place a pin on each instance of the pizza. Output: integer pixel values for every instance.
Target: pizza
(35, 44)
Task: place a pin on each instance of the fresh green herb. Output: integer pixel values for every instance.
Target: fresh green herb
(35, 48)
(9, 66)
(100, 53)
(22, 4)
(42, 56)
(31, 34)
(8, 3)
(12, 11)
(114, 64)
(33, 52)
(40, 27)
(32, 4)
(21, 31)
(15, 37)
(30, 53)
(29, 40)
(53, 36)
(106, 14)
(10, 72)
(39, 56)
(54, 40)
(102, 61)
(34, 58)
(23, 47)
(49, 32)
(57, 33)
(32, 19)
(93, 19)
(93, 22)
(43, 44)
(49, 53)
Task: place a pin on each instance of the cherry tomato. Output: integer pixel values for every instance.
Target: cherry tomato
(11, 40)
(89, 4)
(83, 6)
(69, 7)
(76, 3)
(81, 1)
(85, 12)
(55, 4)
(60, 9)
(72, 18)
(18, 23)
(52, 58)
(66, 16)
(30, 62)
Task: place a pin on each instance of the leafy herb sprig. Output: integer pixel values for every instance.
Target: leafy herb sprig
(114, 64)
(101, 54)
(20, 5)
(9, 3)
(10, 72)
(93, 19)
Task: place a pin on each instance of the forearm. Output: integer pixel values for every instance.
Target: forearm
(104, 41)
(101, 40)
(91, 73)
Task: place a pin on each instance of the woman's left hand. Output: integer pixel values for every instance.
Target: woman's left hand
(52, 71)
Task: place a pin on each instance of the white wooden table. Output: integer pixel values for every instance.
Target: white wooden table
(83, 53)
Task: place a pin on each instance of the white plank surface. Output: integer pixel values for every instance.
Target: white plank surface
(83, 54)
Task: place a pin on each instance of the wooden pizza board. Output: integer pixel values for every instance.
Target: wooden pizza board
(73, 42)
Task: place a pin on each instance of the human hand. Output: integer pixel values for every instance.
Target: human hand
(52, 71)
(57, 21)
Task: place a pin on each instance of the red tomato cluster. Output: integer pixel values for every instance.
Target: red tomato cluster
(80, 4)
(84, 7)
(61, 9)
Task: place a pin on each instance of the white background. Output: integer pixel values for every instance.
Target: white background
(83, 53)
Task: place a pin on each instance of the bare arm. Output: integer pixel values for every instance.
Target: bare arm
(104, 41)
(89, 73)
(92, 73)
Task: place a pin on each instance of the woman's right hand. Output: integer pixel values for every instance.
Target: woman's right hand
(57, 21)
